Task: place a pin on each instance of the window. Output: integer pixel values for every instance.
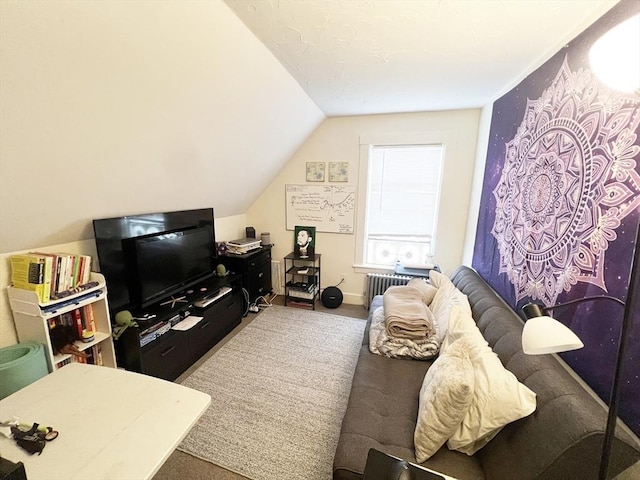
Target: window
(402, 194)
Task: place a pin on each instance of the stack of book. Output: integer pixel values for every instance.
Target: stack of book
(302, 290)
(50, 275)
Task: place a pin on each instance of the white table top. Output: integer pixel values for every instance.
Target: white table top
(113, 424)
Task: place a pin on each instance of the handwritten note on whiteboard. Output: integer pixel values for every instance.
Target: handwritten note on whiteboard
(330, 208)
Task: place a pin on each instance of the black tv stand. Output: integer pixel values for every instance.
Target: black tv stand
(155, 348)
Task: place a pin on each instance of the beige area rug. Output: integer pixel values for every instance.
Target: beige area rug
(279, 390)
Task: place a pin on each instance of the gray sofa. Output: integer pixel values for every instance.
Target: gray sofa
(560, 440)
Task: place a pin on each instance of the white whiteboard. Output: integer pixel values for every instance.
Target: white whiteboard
(329, 208)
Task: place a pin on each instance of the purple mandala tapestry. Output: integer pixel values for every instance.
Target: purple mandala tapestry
(561, 203)
(568, 180)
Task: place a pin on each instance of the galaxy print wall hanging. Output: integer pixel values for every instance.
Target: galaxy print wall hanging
(561, 202)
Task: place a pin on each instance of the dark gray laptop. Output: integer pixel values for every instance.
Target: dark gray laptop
(381, 466)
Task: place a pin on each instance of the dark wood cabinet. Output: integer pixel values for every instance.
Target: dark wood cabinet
(255, 268)
(165, 358)
(155, 349)
(218, 320)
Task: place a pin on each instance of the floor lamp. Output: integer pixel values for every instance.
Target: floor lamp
(543, 334)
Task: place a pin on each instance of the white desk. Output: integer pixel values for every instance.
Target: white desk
(113, 424)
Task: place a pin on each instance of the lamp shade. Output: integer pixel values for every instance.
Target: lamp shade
(615, 57)
(544, 334)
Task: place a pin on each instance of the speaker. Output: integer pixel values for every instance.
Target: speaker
(332, 297)
(250, 232)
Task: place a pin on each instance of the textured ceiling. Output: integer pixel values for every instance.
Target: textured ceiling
(356, 57)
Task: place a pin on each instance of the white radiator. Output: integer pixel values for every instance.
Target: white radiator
(377, 283)
(276, 281)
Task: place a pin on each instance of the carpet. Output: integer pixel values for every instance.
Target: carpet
(279, 390)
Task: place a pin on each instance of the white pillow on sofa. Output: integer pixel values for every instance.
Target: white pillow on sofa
(498, 397)
(446, 296)
(445, 396)
(427, 291)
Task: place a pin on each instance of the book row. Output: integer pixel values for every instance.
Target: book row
(94, 357)
(51, 275)
(81, 321)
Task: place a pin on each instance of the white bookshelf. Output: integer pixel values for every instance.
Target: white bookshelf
(32, 319)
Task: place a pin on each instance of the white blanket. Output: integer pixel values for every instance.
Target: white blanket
(381, 343)
(405, 313)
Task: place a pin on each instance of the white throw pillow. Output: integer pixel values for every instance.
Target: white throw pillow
(498, 397)
(445, 396)
(446, 296)
(427, 291)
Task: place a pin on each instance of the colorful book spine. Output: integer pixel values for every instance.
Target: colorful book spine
(89, 318)
(86, 271)
(32, 272)
(96, 351)
(77, 323)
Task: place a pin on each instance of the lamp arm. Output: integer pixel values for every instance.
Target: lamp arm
(580, 300)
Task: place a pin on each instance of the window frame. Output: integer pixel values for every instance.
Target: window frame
(367, 142)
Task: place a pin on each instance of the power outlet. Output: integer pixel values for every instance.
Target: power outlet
(342, 279)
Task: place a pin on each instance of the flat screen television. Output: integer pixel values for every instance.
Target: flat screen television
(113, 235)
(162, 264)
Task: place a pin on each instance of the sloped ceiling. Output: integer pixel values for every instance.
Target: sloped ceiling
(356, 57)
(116, 108)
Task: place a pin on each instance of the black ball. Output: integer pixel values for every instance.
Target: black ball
(332, 297)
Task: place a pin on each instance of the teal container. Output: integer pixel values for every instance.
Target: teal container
(20, 365)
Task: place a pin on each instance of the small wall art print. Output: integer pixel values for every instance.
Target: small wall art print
(315, 171)
(338, 171)
(304, 241)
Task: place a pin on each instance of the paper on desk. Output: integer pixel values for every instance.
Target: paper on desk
(187, 323)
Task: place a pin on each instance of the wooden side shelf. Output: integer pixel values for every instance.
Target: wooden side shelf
(33, 321)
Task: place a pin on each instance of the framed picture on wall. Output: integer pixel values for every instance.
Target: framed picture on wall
(315, 171)
(304, 241)
(338, 171)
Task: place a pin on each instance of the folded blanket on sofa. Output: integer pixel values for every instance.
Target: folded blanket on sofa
(381, 343)
(405, 314)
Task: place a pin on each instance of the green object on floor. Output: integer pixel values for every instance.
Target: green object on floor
(20, 365)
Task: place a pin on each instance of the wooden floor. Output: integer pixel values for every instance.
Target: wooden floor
(184, 466)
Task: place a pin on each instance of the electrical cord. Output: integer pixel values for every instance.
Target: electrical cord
(266, 302)
(246, 302)
(262, 302)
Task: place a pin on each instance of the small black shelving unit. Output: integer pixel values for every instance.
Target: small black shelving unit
(302, 280)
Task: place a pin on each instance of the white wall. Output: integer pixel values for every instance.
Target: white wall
(124, 107)
(484, 129)
(337, 139)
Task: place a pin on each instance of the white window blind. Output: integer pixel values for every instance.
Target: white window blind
(402, 203)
